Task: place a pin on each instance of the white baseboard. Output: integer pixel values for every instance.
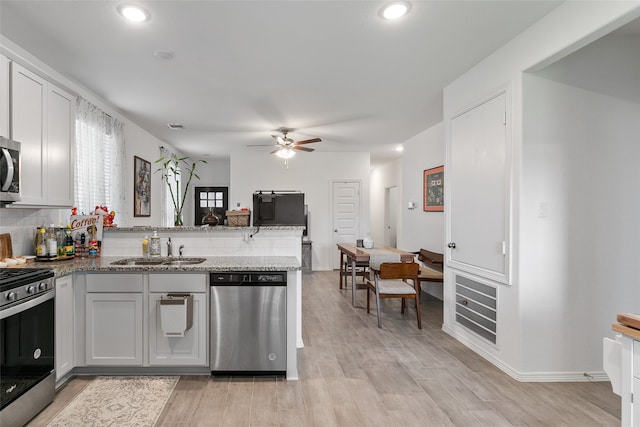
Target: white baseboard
(525, 376)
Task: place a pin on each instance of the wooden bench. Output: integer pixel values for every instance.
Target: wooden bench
(431, 268)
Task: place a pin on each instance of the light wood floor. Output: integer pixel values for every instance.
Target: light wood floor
(354, 374)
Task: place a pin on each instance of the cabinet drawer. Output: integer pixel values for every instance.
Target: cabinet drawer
(636, 358)
(114, 282)
(178, 282)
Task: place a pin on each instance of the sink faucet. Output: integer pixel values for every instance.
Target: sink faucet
(169, 247)
(180, 249)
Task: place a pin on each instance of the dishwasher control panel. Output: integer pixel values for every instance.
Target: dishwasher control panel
(248, 278)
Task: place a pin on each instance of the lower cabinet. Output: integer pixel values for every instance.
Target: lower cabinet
(64, 318)
(114, 313)
(168, 347)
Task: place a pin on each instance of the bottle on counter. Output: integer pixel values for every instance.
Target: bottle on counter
(154, 248)
(145, 247)
(41, 242)
(52, 242)
(69, 244)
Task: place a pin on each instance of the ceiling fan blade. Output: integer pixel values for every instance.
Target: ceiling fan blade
(308, 141)
(259, 145)
(275, 151)
(295, 147)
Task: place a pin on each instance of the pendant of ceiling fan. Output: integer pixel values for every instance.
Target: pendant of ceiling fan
(285, 146)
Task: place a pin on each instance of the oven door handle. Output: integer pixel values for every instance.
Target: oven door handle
(9, 178)
(19, 308)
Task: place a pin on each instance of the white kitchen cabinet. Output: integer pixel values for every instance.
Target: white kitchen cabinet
(477, 179)
(4, 96)
(42, 120)
(190, 349)
(64, 319)
(114, 313)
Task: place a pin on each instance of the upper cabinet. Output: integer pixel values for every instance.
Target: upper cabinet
(42, 120)
(478, 192)
(4, 96)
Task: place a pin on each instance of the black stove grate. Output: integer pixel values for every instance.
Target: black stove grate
(10, 277)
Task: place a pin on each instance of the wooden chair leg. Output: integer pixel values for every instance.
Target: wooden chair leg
(402, 305)
(418, 312)
(378, 306)
(368, 290)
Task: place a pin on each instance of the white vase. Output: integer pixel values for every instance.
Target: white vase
(367, 242)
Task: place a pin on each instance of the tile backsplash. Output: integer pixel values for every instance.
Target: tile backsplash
(21, 223)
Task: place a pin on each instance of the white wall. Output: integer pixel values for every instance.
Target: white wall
(580, 156)
(420, 229)
(311, 173)
(569, 27)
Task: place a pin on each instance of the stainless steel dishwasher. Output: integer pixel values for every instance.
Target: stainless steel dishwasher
(248, 328)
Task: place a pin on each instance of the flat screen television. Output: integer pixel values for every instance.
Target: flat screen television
(278, 209)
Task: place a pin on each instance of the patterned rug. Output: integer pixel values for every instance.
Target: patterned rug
(118, 401)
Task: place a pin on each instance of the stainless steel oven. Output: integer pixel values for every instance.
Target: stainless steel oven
(27, 365)
(9, 171)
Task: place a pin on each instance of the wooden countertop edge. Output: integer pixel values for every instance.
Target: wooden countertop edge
(625, 330)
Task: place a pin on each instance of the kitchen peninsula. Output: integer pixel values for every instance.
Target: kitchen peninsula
(97, 283)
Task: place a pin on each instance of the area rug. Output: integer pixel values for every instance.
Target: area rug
(118, 401)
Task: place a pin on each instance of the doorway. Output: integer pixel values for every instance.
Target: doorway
(345, 198)
(391, 217)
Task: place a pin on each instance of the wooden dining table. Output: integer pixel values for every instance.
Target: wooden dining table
(361, 257)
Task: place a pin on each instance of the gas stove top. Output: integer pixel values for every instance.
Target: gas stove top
(21, 283)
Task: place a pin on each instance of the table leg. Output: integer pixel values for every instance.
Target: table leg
(341, 268)
(354, 285)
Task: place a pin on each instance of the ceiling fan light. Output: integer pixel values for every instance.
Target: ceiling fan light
(395, 10)
(286, 153)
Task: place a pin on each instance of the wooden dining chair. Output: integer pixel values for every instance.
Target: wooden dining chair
(391, 281)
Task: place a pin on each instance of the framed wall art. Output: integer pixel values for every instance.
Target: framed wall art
(141, 187)
(434, 189)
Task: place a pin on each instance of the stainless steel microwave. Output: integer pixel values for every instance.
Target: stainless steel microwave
(9, 170)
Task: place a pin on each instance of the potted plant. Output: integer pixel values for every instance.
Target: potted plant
(171, 168)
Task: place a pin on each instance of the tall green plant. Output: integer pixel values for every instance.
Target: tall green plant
(171, 168)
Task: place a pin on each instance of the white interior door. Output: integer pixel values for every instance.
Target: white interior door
(477, 172)
(346, 215)
(391, 217)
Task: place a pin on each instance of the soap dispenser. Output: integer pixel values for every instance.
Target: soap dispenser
(155, 244)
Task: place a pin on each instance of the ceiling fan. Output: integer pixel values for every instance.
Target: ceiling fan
(285, 146)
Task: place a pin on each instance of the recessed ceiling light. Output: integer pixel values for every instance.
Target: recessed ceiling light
(395, 9)
(399, 148)
(163, 54)
(133, 13)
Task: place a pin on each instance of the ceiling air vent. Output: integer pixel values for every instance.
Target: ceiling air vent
(175, 126)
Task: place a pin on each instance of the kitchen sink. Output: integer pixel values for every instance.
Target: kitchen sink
(138, 261)
(160, 261)
(184, 261)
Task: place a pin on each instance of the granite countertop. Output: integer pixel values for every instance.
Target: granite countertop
(220, 228)
(219, 263)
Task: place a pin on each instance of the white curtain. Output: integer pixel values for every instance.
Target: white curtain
(99, 161)
(168, 209)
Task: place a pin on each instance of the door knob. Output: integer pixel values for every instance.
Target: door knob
(451, 245)
(335, 231)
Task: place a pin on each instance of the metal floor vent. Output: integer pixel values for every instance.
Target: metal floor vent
(476, 307)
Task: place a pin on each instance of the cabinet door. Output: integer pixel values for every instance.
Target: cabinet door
(28, 93)
(478, 190)
(4, 96)
(636, 401)
(114, 329)
(190, 350)
(64, 326)
(60, 131)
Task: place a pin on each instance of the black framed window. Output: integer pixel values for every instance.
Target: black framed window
(211, 198)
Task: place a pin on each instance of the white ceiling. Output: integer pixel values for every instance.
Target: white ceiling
(329, 69)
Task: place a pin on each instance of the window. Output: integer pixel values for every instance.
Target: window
(208, 198)
(99, 158)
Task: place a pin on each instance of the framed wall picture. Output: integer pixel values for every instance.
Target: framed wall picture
(141, 187)
(434, 189)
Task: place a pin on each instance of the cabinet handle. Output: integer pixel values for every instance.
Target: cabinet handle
(451, 245)
(465, 302)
